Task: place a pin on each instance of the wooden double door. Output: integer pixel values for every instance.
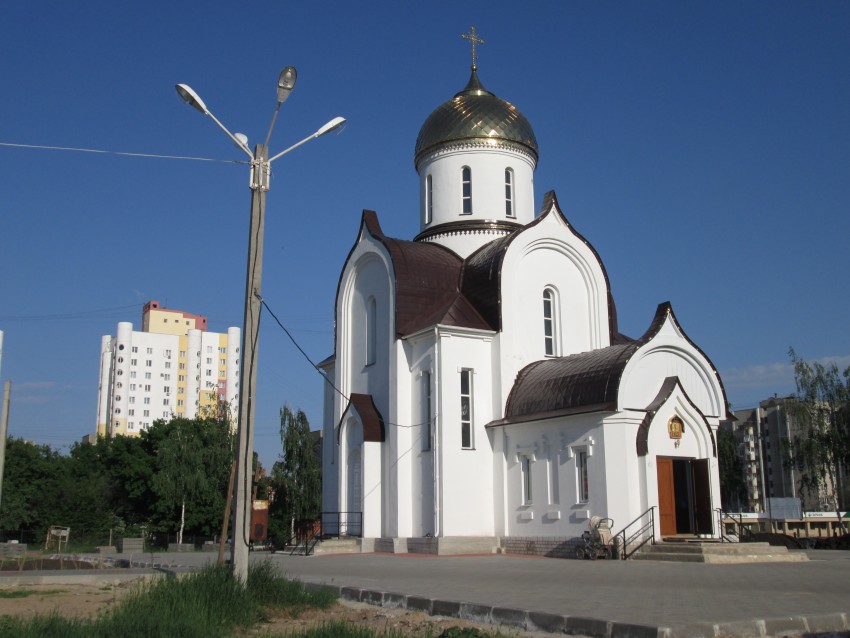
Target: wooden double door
(684, 496)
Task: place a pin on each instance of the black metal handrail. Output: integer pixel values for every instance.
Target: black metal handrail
(337, 524)
(627, 543)
(742, 531)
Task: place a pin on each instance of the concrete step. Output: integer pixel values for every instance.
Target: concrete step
(711, 552)
(338, 546)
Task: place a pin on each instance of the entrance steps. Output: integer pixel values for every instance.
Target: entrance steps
(338, 546)
(718, 553)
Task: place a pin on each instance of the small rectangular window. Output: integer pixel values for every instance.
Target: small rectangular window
(527, 494)
(429, 199)
(466, 406)
(466, 176)
(509, 192)
(426, 411)
(581, 475)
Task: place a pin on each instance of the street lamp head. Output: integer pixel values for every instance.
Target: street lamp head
(285, 83)
(331, 126)
(191, 98)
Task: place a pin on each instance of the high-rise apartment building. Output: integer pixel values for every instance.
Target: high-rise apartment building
(172, 367)
(763, 435)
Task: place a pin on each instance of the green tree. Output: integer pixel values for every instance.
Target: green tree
(820, 445)
(732, 485)
(191, 472)
(33, 477)
(297, 477)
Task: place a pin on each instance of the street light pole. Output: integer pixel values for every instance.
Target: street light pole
(243, 503)
(260, 177)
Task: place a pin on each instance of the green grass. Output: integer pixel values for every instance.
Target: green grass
(207, 604)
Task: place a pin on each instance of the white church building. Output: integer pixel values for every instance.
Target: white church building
(480, 385)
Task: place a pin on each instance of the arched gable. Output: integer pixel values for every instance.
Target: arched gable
(672, 401)
(366, 293)
(493, 275)
(666, 351)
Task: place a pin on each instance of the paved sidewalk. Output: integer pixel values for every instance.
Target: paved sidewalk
(605, 598)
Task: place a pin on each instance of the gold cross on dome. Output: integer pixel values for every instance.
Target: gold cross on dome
(474, 39)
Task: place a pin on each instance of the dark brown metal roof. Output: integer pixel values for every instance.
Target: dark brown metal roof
(552, 387)
(426, 282)
(371, 419)
(579, 380)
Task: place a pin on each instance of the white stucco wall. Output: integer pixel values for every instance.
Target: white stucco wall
(549, 254)
(466, 475)
(551, 446)
(487, 165)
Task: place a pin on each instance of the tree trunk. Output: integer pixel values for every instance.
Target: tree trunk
(182, 521)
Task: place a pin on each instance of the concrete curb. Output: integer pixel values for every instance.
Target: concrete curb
(527, 620)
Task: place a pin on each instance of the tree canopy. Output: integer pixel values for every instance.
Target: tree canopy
(297, 477)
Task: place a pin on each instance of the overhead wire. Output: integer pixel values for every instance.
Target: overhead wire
(322, 374)
(123, 153)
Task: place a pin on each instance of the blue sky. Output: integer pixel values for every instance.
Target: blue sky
(703, 148)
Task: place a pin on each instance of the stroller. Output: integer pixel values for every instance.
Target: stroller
(597, 540)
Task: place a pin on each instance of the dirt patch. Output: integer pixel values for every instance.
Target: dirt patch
(69, 601)
(413, 624)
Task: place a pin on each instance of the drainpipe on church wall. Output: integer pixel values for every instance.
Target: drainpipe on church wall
(437, 458)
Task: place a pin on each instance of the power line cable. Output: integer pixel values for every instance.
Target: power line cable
(122, 153)
(322, 374)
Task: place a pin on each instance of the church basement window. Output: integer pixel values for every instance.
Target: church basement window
(466, 441)
(466, 177)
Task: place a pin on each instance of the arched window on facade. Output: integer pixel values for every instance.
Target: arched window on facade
(371, 330)
(466, 178)
(509, 193)
(550, 322)
(429, 199)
